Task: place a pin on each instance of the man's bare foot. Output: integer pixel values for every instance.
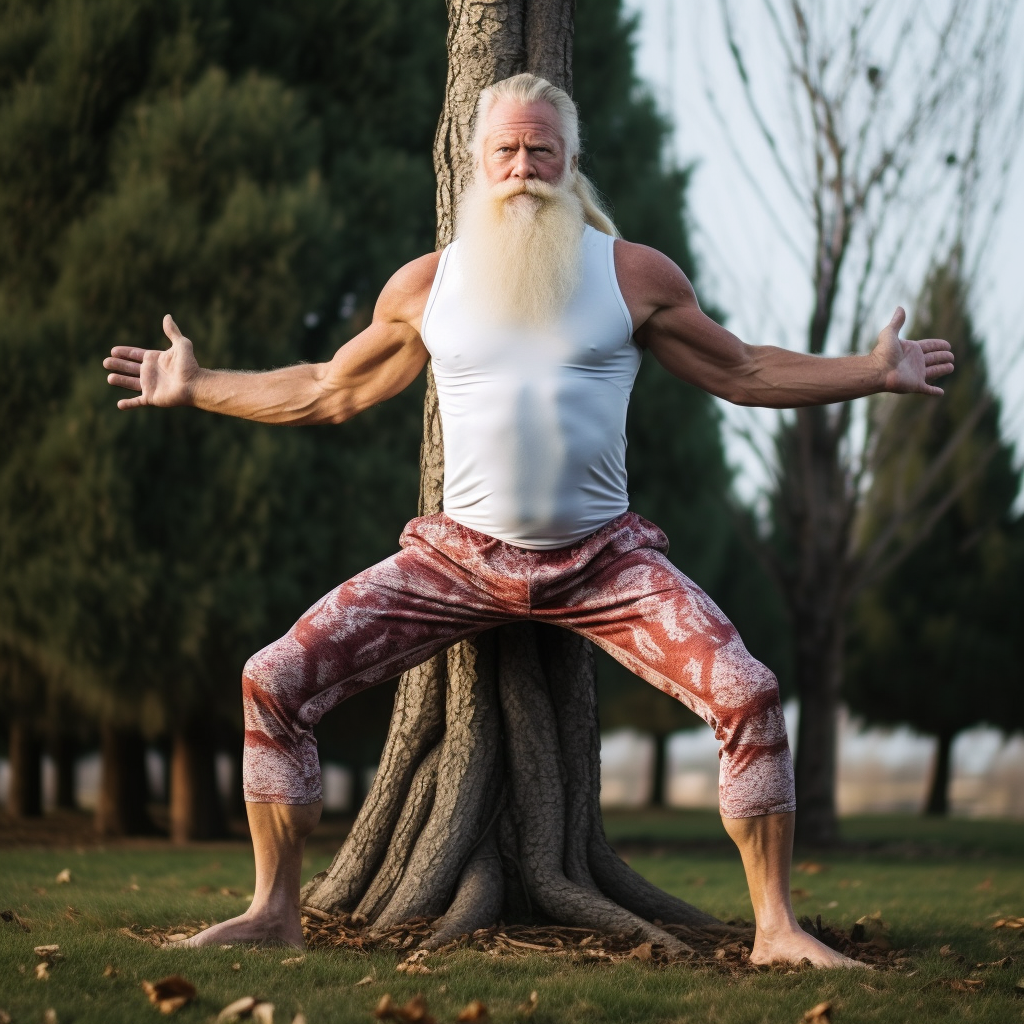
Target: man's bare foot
(250, 928)
(793, 947)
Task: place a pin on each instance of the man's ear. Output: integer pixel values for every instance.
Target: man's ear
(574, 163)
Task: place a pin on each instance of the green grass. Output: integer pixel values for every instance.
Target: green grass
(936, 884)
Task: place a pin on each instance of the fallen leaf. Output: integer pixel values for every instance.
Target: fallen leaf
(63, 877)
(299, 1018)
(43, 971)
(40, 890)
(413, 1012)
(530, 1005)
(946, 950)
(473, 1011)
(263, 1013)
(236, 967)
(72, 913)
(368, 980)
(239, 1008)
(1009, 922)
(169, 994)
(641, 952)
(810, 867)
(966, 984)
(799, 894)
(292, 961)
(983, 886)
(132, 887)
(230, 892)
(1007, 961)
(110, 971)
(871, 928)
(1018, 989)
(47, 952)
(50, 1016)
(820, 1014)
(5, 1017)
(12, 918)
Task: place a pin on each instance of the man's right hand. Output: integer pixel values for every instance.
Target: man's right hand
(165, 377)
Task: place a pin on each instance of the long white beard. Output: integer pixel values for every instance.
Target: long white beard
(521, 248)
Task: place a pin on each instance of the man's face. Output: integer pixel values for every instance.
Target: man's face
(523, 142)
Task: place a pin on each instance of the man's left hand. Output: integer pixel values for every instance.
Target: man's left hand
(911, 366)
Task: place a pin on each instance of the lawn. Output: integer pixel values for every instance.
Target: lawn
(940, 886)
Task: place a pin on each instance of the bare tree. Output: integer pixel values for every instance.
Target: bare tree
(891, 121)
(485, 806)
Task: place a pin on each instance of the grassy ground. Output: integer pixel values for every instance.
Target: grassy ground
(936, 884)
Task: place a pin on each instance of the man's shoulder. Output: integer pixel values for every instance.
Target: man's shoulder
(406, 293)
(648, 279)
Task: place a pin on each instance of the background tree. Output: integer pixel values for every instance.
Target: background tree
(881, 140)
(937, 645)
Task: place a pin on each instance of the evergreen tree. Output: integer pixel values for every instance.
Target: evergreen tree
(937, 644)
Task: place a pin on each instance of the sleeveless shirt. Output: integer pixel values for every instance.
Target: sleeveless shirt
(534, 419)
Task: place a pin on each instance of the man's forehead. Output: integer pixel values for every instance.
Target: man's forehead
(513, 116)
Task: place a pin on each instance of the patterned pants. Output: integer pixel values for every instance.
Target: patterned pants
(615, 587)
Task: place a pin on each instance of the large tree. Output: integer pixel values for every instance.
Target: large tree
(886, 129)
(485, 806)
(937, 646)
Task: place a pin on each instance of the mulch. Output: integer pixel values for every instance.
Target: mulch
(729, 955)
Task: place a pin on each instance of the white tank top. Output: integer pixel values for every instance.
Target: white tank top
(534, 420)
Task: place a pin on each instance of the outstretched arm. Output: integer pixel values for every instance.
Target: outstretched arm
(375, 365)
(668, 321)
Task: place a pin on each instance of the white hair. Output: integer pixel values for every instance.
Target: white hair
(526, 89)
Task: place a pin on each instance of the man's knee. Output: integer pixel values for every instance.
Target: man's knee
(747, 705)
(273, 680)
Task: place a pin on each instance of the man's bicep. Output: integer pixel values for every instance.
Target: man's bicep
(692, 347)
(375, 365)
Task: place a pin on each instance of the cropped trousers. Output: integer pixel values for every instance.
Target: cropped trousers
(615, 587)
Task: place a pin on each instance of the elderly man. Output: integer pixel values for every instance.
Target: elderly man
(534, 320)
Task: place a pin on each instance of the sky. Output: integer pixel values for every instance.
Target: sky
(746, 267)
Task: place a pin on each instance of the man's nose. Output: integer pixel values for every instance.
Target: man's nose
(523, 166)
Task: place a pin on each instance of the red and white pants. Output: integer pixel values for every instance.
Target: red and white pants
(615, 587)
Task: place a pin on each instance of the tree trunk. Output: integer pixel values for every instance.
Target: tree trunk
(197, 811)
(659, 771)
(121, 808)
(814, 516)
(485, 806)
(25, 793)
(64, 749)
(937, 804)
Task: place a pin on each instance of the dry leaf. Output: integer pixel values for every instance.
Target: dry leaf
(641, 952)
(810, 867)
(983, 886)
(236, 967)
(299, 1018)
(965, 984)
(1009, 922)
(799, 894)
(473, 1011)
(43, 971)
(47, 952)
(413, 1012)
(368, 980)
(169, 994)
(11, 917)
(530, 1005)
(292, 961)
(820, 1014)
(110, 971)
(1007, 961)
(50, 1016)
(64, 877)
(5, 1017)
(239, 1008)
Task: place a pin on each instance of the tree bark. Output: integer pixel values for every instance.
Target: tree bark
(197, 811)
(25, 793)
(659, 771)
(121, 808)
(937, 804)
(486, 803)
(64, 749)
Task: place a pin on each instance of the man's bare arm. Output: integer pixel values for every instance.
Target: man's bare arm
(375, 365)
(668, 321)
